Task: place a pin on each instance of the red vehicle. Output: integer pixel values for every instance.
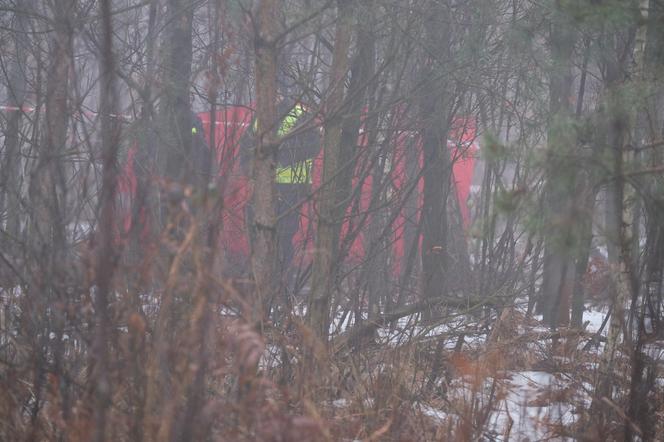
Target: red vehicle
(230, 124)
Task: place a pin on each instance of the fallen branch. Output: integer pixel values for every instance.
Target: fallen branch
(358, 333)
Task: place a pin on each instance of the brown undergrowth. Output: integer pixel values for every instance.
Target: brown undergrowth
(189, 361)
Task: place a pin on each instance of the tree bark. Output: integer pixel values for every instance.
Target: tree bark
(587, 200)
(434, 120)
(328, 219)
(49, 217)
(107, 255)
(264, 244)
(173, 163)
(10, 191)
(559, 268)
(47, 187)
(623, 275)
(176, 160)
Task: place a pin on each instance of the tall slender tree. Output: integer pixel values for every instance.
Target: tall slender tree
(558, 277)
(264, 245)
(434, 121)
(329, 219)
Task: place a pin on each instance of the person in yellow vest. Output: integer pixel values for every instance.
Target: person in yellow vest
(293, 180)
(293, 176)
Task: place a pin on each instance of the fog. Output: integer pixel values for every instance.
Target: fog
(331, 220)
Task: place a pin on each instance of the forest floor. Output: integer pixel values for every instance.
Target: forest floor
(517, 382)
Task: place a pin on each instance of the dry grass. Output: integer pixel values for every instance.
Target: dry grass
(189, 362)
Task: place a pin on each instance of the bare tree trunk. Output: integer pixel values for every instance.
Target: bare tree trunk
(622, 272)
(587, 207)
(558, 282)
(434, 118)
(328, 221)
(10, 190)
(624, 276)
(585, 210)
(107, 255)
(47, 186)
(145, 207)
(264, 244)
(191, 425)
(176, 161)
(49, 274)
(413, 227)
(361, 72)
(641, 409)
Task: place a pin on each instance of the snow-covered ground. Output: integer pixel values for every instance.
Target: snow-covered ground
(594, 317)
(529, 411)
(528, 405)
